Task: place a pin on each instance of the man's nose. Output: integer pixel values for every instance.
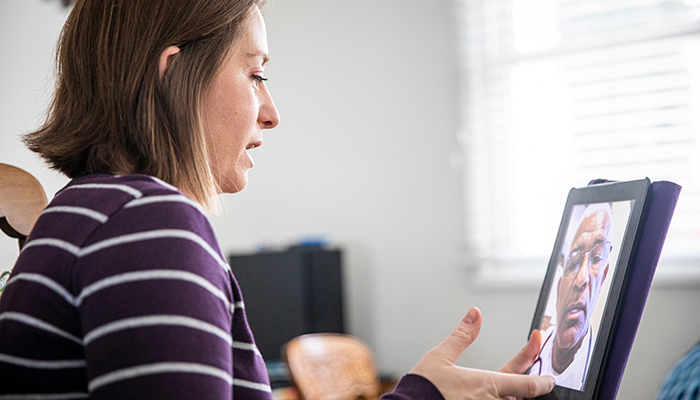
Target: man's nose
(584, 273)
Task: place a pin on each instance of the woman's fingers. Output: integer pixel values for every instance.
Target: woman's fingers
(456, 383)
(522, 385)
(442, 357)
(520, 363)
(463, 336)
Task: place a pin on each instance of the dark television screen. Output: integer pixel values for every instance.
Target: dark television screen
(290, 293)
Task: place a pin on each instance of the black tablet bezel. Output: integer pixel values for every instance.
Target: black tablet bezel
(638, 191)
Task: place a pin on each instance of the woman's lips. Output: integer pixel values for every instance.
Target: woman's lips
(251, 146)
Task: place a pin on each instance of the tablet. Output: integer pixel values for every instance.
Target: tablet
(583, 293)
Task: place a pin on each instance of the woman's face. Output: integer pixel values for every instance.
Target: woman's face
(238, 107)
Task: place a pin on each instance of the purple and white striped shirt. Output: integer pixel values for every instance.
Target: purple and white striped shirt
(121, 291)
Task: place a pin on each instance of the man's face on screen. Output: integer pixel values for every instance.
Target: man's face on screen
(584, 270)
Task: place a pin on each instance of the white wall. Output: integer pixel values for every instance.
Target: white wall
(28, 32)
(367, 92)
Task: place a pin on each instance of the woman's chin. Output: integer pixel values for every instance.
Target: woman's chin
(236, 184)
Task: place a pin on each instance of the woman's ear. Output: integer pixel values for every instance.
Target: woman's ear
(165, 59)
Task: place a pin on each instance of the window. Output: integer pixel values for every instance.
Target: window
(559, 92)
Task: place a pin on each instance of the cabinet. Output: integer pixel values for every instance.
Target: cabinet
(290, 293)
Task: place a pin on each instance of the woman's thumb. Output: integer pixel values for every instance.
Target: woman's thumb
(463, 336)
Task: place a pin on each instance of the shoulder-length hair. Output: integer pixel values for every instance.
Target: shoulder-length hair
(113, 113)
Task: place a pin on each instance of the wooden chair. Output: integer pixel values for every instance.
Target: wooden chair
(331, 366)
(22, 199)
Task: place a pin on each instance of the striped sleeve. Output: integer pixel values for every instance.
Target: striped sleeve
(412, 386)
(148, 306)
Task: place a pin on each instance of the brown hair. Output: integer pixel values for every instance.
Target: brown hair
(112, 113)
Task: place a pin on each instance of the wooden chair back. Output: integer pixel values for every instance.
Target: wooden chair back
(22, 199)
(331, 366)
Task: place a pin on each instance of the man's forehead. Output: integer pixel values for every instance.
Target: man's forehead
(595, 225)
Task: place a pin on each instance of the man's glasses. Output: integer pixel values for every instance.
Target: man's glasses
(597, 257)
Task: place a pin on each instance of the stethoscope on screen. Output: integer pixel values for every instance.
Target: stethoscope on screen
(539, 356)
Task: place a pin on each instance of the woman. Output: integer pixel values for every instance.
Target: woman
(121, 290)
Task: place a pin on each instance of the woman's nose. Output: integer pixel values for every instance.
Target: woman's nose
(268, 116)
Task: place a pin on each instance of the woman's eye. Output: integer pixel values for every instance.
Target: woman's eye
(258, 79)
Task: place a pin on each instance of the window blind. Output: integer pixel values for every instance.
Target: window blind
(559, 92)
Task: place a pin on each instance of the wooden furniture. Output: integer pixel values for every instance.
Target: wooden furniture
(327, 366)
(22, 199)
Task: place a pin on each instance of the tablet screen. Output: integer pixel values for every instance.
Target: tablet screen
(579, 291)
(582, 293)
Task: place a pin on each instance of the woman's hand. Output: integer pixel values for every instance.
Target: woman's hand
(454, 382)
